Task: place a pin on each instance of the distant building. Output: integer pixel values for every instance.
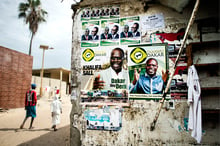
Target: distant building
(53, 78)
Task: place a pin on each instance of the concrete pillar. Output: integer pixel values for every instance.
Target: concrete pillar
(75, 137)
(61, 78)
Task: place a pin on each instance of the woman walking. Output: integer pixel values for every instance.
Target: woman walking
(56, 110)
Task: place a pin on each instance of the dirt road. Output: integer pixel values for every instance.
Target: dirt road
(42, 134)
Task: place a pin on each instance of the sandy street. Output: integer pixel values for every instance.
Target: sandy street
(42, 134)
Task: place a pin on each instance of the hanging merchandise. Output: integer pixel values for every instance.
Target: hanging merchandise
(194, 101)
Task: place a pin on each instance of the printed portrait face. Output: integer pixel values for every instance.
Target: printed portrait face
(106, 30)
(151, 67)
(134, 28)
(114, 30)
(126, 28)
(87, 32)
(116, 60)
(94, 31)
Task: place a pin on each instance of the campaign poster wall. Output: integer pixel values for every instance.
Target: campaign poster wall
(96, 13)
(108, 82)
(109, 32)
(90, 34)
(134, 30)
(132, 27)
(103, 119)
(92, 59)
(146, 78)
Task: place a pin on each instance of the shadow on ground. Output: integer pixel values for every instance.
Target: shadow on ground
(24, 129)
(61, 137)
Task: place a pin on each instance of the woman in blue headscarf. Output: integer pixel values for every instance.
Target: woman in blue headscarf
(30, 105)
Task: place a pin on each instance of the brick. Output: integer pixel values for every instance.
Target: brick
(16, 74)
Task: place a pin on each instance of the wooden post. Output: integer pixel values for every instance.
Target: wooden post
(175, 64)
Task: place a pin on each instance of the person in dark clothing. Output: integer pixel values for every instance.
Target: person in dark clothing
(95, 33)
(102, 13)
(126, 33)
(117, 11)
(112, 12)
(86, 36)
(30, 105)
(106, 34)
(134, 30)
(114, 33)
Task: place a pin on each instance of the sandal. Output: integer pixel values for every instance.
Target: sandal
(31, 127)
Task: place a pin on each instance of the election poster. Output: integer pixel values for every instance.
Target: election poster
(109, 32)
(106, 71)
(152, 22)
(105, 12)
(95, 13)
(85, 14)
(90, 34)
(105, 118)
(92, 59)
(115, 11)
(149, 25)
(178, 87)
(130, 30)
(147, 65)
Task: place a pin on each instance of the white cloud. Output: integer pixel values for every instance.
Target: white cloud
(56, 32)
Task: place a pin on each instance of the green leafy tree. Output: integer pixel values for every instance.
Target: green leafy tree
(33, 15)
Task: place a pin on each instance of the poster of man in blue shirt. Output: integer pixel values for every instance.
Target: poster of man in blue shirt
(148, 72)
(149, 83)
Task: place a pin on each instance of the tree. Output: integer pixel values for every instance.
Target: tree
(33, 14)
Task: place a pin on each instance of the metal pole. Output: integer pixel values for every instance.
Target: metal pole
(42, 72)
(61, 77)
(42, 69)
(175, 64)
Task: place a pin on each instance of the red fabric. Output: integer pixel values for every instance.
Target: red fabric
(57, 92)
(170, 36)
(33, 98)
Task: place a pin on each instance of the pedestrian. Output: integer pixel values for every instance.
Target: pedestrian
(56, 92)
(56, 110)
(30, 105)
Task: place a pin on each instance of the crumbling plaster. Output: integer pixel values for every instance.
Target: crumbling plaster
(137, 118)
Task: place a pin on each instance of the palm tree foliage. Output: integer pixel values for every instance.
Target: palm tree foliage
(33, 14)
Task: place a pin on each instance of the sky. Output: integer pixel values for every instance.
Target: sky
(55, 33)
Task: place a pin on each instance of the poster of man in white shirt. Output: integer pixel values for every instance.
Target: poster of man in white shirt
(109, 82)
(115, 77)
